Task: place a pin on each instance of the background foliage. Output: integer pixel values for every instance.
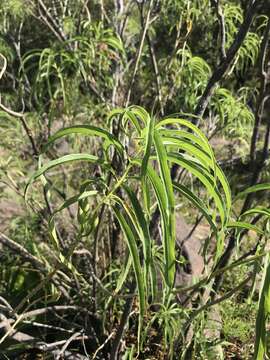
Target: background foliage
(134, 231)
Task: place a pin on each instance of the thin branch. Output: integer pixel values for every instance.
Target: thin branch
(224, 259)
(262, 94)
(37, 264)
(67, 343)
(6, 303)
(85, 6)
(25, 338)
(56, 308)
(224, 66)
(53, 25)
(10, 330)
(217, 301)
(56, 344)
(218, 271)
(28, 131)
(102, 345)
(46, 22)
(51, 347)
(122, 326)
(3, 70)
(156, 71)
(46, 326)
(139, 53)
(258, 164)
(16, 335)
(19, 249)
(125, 16)
(221, 20)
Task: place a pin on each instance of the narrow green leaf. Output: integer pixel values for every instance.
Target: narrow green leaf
(86, 130)
(206, 179)
(181, 135)
(142, 227)
(206, 161)
(262, 316)
(251, 189)
(169, 240)
(66, 159)
(144, 234)
(196, 202)
(148, 143)
(74, 199)
(262, 211)
(128, 115)
(194, 128)
(60, 161)
(134, 252)
(141, 113)
(148, 135)
(244, 225)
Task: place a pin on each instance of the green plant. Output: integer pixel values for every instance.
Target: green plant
(101, 260)
(157, 144)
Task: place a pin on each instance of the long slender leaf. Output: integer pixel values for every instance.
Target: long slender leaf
(241, 225)
(197, 202)
(205, 161)
(262, 316)
(206, 179)
(251, 189)
(142, 227)
(86, 130)
(60, 161)
(170, 213)
(131, 241)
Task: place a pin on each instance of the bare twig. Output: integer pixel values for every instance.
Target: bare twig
(16, 335)
(51, 22)
(43, 19)
(22, 118)
(51, 347)
(75, 336)
(262, 95)
(102, 345)
(3, 70)
(122, 326)
(216, 301)
(19, 249)
(37, 264)
(258, 164)
(156, 71)
(56, 344)
(10, 330)
(46, 326)
(85, 7)
(221, 20)
(139, 52)
(57, 308)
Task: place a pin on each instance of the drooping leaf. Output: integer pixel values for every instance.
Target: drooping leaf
(60, 161)
(88, 130)
(252, 189)
(134, 252)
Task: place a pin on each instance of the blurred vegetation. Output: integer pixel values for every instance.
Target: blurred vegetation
(134, 179)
